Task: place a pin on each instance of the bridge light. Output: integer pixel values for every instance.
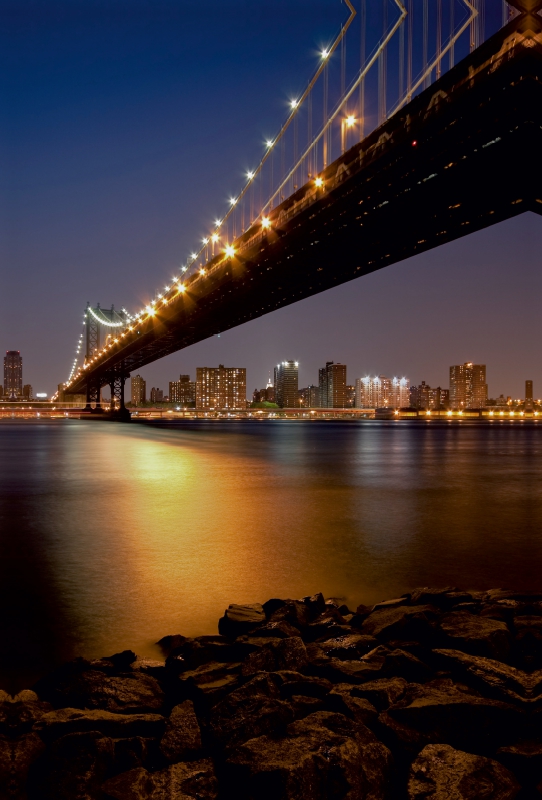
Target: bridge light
(325, 54)
(250, 175)
(205, 241)
(350, 121)
(181, 287)
(214, 238)
(266, 223)
(193, 256)
(414, 143)
(233, 201)
(229, 250)
(218, 223)
(294, 103)
(202, 271)
(184, 269)
(269, 143)
(319, 182)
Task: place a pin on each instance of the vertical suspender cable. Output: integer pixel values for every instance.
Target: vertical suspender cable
(325, 114)
(310, 157)
(382, 71)
(401, 79)
(439, 37)
(427, 81)
(409, 48)
(362, 63)
(452, 31)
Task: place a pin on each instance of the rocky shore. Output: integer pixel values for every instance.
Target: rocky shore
(434, 695)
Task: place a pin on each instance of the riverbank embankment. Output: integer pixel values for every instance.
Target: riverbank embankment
(435, 694)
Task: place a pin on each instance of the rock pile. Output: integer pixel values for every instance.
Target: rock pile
(434, 695)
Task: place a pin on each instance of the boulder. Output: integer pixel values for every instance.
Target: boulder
(250, 711)
(182, 739)
(480, 636)
(209, 683)
(349, 646)
(443, 712)
(18, 714)
(189, 780)
(131, 753)
(524, 759)
(325, 755)
(280, 630)
(276, 654)
(493, 678)
(302, 684)
(296, 612)
(240, 619)
(382, 692)
(403, 622)
(16, 757)
(442, 773)
(73, 720)
(193, 653)
(76, 766)
(343, 701)
(130, 693)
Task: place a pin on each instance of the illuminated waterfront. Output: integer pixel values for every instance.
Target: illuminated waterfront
(113, 536)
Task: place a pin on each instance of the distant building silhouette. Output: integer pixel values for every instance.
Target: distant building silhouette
(221, 387)
(139, 390)
(286, 384)
(157, 395)
(13, 374)
(182, 391)
(468, 387)
(332, 385)
(528, 395)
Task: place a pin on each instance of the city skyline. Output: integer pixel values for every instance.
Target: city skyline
(85, 222)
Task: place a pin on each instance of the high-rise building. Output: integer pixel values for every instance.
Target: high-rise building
(220, 388)
(350, 396)
(423, 396)
(528, 395)
(13, 374)
(182, 391)
(139, 390)
(157, 395)
(382, 392)
(27, 392)
(286, 384)
(468, 387)
(332, 385)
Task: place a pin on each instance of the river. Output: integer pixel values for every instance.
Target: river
(112, 536)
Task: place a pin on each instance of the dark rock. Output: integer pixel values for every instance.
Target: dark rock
(189, 780)
(325, 755)
(301, 684)
(280, 630)
(443, 712)
(18, 714)
(349, 646)
(524, 759)
(150, 666)
(130, 753)
(76, 767)
(276, 654)
(16, 757)
(295, 612)
(240, 619)
(343, 701)
(182, 739)
(405, 622)
(73, 720)
(118, 662)
(208, 684)
(383, 692)
(130, 693)
(169, 643)
(492, 677)
(315, 603)
(393, 603)
(442, 773)
(202, 650)
(302, 705)
(250, 711)
(477, 635)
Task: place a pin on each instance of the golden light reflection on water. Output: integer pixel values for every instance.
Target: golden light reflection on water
(138, 532)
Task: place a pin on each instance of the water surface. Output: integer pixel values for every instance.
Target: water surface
(112, 536)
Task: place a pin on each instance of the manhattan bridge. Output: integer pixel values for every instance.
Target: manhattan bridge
(420, 125)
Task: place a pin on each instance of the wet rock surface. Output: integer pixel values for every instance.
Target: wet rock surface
(435, 694)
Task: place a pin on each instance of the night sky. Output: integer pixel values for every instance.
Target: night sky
(124, 129)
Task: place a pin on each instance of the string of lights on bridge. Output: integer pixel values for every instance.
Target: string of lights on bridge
(263, 221)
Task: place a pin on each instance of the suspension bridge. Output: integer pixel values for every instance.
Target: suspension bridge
(434, 135)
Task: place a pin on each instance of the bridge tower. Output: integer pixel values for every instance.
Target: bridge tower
(97, 321)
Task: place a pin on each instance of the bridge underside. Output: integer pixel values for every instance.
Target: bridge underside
(461, 156)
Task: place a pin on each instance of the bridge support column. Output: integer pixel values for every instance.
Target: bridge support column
(118, 409)
(94, 396)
